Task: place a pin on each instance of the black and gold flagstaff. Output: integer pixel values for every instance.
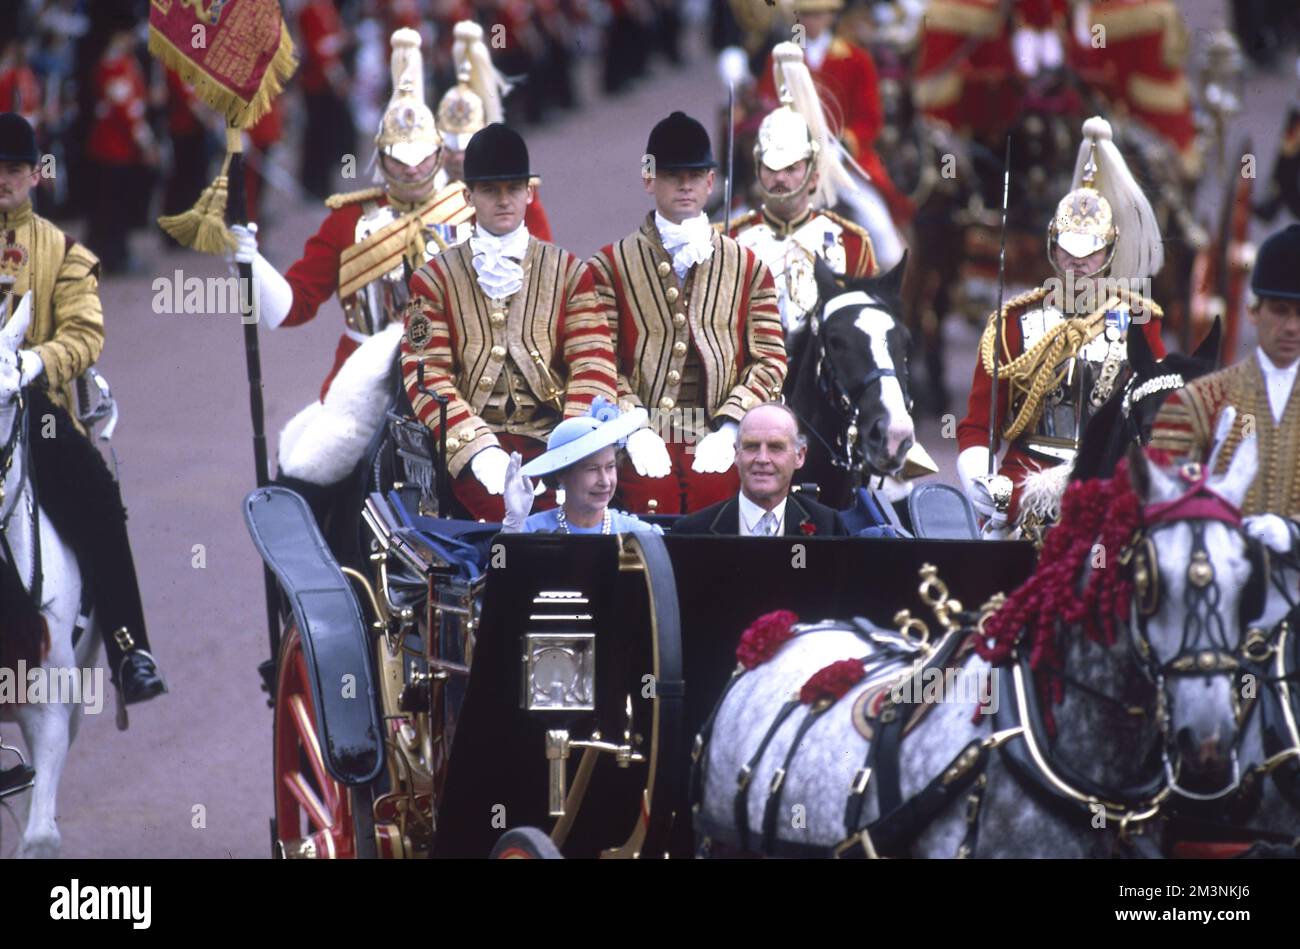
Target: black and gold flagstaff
(241, 65)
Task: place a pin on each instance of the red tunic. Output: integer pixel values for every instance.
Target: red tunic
(966, 71)
(973, 430)
(850, 92)
(21, 93)
(119, 133)
(1140, 70)
(322, 43)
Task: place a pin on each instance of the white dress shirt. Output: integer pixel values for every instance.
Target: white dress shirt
(497, 261)
(1278, 382)
(751, 514)
(814, 53)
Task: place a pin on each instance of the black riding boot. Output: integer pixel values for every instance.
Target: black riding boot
(78, 493)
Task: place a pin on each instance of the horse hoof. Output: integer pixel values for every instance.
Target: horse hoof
(40, 847)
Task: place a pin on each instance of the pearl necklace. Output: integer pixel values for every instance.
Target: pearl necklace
(605, 523)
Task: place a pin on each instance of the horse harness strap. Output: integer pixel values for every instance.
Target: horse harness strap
(747, 772)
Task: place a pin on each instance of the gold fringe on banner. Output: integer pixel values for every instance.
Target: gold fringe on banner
(239, 113)
(203, 227)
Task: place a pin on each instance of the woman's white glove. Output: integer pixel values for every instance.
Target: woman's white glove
(649, 454)
(716, 452)
(490, 466)
(518, 495)
(1272, 531)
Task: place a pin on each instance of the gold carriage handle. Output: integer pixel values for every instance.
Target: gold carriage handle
(558, 747)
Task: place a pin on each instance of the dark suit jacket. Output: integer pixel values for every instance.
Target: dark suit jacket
(724, 518)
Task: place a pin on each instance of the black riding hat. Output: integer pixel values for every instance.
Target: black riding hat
(17, 139)
(680, 142)
(496, 153)
(1277, 265)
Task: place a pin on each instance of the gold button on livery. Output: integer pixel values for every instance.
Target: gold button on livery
(666, 403)
(497, 318)
(453, 444)
(679, 348)
(664, 268)
(679, 319)
(674, 376)
(673, 294)
(499, 352)
(485, 383)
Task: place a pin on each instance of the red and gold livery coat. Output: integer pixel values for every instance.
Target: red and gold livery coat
(1186, 424)
(550, 343)
(1140, 69)
(727, 318)
(966, 71)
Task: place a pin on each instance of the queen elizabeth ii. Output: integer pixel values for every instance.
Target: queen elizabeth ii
(581, 458)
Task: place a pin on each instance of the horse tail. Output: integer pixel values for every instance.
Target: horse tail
(24, 633)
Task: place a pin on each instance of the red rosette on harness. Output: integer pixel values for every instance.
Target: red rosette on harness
(764, 637)
(832, 682)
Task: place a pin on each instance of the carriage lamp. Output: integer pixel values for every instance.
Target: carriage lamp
(560, 672)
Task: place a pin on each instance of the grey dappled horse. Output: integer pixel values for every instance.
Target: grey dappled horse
(1127, 716)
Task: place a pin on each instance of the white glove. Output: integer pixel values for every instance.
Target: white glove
(649, 454)
(490, 467)
(246, 243)
(274, 295)
(1270, 530)
(1025, 51)
(716, 451)
(518, 494)
(30, 366)
(972, 468)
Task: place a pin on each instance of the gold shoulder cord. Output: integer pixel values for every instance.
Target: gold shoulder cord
(1033, 374)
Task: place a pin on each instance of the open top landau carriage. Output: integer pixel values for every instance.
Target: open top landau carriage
(456, 692)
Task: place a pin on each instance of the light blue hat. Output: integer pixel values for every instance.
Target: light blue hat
(576, 438)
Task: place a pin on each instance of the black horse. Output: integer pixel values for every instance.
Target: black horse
(848, 383)
(1127, 416)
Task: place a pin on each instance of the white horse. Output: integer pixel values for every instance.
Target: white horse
(48, 727)
(1103, 748)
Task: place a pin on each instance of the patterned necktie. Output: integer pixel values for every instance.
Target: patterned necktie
(766, 526)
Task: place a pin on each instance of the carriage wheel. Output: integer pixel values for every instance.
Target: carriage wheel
(526, 843)
(315, 815)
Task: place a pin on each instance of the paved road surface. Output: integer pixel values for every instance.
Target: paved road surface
(201, 755)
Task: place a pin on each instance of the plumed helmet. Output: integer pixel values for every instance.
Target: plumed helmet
(407, 131)
(475, 100)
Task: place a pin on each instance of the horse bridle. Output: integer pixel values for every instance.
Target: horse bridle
(18, 441)
(1204, 649)
(1135, 393)
(845, 455)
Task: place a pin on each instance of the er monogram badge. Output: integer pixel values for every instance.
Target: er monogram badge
(419, 331)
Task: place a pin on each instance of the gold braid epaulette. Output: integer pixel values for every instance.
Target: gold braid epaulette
(336, 201)
(1033, 374)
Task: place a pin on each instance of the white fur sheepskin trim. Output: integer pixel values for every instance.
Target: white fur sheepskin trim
(1041, 492)
(324, 442)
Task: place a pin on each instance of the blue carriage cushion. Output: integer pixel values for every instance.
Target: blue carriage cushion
(942, 512)
(463, 544)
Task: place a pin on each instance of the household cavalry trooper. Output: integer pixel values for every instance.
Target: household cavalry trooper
(507, 327)
(1062, 350)
(696, 328)
(465, 108)
(1261, 390)
(371, 237)
(55, 279)
(799, 176)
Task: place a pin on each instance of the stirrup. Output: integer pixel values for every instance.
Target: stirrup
(18, 778)
(121, 719)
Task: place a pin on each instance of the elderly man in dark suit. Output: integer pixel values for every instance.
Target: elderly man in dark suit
(769, 449)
